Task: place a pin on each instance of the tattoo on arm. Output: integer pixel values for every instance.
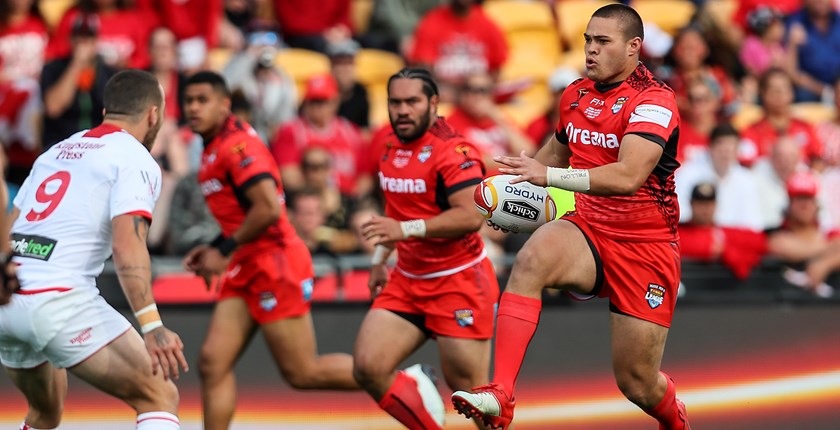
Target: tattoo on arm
(141, 227)
(160, 337)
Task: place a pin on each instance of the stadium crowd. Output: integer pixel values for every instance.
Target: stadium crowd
(757, 85)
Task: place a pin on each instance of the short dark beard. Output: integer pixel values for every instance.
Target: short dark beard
(422, 128)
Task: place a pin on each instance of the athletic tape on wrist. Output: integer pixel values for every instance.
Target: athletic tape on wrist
(413, 228)
(146, 328)
(147, 309)
(380, 254)
(568, 179)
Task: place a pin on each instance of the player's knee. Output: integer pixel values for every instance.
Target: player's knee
(367, 372)
(208, 367)
(636, 387)
(300, 379)
(531, 261)
(49, 417)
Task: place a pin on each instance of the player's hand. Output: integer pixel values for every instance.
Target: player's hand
(167, 352)
(378, 279)
(213, 261)
(8, 279)
(382, 230)
(527, 169)
(193, 259)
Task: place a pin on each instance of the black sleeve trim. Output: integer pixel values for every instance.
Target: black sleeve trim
(461, 185)
(240, 190)
(651, 137)
(254, 179)
(561, 137)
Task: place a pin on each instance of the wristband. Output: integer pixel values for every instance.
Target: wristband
(147, 309)
(380, 254)
(568, 179)
(147, 315)
(413, 228)
(225, 245)
(146, 328)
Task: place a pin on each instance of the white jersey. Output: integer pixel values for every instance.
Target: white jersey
(62, 236)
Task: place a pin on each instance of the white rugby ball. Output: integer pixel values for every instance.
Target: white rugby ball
(519, 208)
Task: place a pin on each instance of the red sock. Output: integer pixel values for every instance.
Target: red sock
(666, 411)
(516, 323)
(403, 402)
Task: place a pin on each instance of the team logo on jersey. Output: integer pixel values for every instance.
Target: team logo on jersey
(306, 287)
(581, 92)
(655, 295)
(31, 246)
(268, 301)
(464, 317)
(619, 102)
(147, 179)
(239, 148)
(425, 153)
(463, 150)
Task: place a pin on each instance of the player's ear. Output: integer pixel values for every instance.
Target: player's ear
(634, 46)
(153, 116)
(434, 100)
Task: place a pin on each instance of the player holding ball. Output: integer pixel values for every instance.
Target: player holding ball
(618, 128)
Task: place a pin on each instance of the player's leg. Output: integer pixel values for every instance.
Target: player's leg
(292, 343)
(123, 369)
(637, 348)
(385, 340)
(540, 263)
(45, 388)
(465, 363)
(231, 328)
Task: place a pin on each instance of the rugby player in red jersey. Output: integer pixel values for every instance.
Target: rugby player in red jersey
(443, 286)
(618, 128)
(267, 280)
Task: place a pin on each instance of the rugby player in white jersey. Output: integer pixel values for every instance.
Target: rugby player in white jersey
(87, 197)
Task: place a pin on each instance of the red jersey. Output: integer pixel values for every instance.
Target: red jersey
(455, 46)
(593, 120)
(234, 160)
(757, 140)
(488, 136)
(341, 139)
(307, 17)
(22, 49)
(692, 143)
(416, 179)
(122, 39)
(185, 18)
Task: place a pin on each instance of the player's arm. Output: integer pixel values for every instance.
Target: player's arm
(133, 266)
(637, 158)
(554, 153)
(263, 212)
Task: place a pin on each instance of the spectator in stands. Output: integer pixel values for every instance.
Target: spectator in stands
(737, 190)
(775, 89)
(23, 41)
(484, 124)
(543, 127)
(313, 25)
(318, 176)
(457, 40)
(745, 7)
(363, 212)
(814, 33)
(306, 213)
(772, 173)
(392, 24)
(764, 48)
(700, 117)
(195, 24)
(73, 86)
(829, 133)
(812, 250)
(190, 221)
(267, 88)
(701, 239)
(123, 33)
(320, 126)
(354, 98)
(163, 57)
(690, 55)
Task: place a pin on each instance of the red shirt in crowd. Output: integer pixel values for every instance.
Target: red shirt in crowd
(594, 118)
(455, 46)
(746, 6)
(233, 161)
(539, 130)
(488, 136)
(307, 17)
(340, 138)
(23, 49)
(757, 140)
(185, 18)
(739, 249)
(416, 179)
(122, 40)
(692, 143)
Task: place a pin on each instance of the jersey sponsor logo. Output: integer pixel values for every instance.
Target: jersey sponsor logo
(596, 102)
(147, 179)
(655, 114)
(581, 92)
(589, 137)
(83, 337)
(591, 112)
(401, 158)
(467, 164)
(464, 317)
(31, 246)
(520, 209)
(619, 103)
(655, 295)
(268, 301)
(425, 153)
(246, 161)
(211, 186)
(402, 185)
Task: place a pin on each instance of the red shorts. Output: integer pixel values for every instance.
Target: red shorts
(460, 305)
(276, 284)
(641, 279)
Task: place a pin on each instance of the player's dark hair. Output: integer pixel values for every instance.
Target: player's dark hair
(631, 22)
(207, 77)
(723, 129)
(430, 87)
(130, 93)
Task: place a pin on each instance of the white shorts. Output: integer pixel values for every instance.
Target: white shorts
(64, 328)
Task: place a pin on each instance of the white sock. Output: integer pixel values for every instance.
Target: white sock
(24, 426)
(157, 421)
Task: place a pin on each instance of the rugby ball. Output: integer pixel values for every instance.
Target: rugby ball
(519, 208)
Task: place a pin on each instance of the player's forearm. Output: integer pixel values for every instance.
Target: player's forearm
(134, 270)
(553, 154)
(59, 97)
(454, 222)
(257, 220)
